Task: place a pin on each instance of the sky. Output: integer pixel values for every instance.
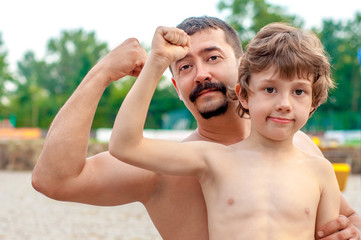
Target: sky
(29, 24)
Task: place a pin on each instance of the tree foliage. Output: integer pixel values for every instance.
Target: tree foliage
(5, 78)
(341, 41)
(247, 17)
(43, 85)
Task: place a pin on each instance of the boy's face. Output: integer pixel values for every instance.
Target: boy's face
(278, 107)
(203, 76)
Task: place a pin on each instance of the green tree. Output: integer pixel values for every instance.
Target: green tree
(342, 41)
(46, 84)
(247, 17)
(165, 99)
(71, 57)
(32, 97)
(5, 78)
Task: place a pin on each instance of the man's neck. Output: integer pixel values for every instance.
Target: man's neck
(226, 129)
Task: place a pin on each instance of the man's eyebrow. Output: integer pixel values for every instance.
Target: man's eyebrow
(210, 49)
(186, 56)
(204, 50)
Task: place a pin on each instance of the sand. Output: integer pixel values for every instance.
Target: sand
(28, 215)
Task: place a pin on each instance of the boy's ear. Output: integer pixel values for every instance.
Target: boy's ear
(313, 109)
(243, 101)
(176, 88)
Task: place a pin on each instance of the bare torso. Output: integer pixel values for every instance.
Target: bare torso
(178, 208)
(271, 198)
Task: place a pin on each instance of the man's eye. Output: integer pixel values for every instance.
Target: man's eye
(213, 58)
(270, 90)
(299, 92)
(185, 67)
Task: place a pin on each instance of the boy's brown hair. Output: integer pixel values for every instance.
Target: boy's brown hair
(292, 52)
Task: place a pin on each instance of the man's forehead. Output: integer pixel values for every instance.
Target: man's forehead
(205, 41)
(215, 35)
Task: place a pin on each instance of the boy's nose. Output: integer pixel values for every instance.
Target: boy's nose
(284, 103)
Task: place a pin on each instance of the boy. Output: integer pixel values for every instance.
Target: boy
(263, 186)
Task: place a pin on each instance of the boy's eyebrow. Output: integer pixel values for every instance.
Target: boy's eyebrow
(202, 51)
(267, 80)
(274, 79)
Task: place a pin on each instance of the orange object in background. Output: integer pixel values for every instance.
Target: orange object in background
(342, 171)
(20, 133)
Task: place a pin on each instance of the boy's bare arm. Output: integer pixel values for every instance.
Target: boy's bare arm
(62, 170)
(168, 45)
(329, 204)
(348, 224)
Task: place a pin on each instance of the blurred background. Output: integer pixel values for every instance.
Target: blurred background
(47, 47)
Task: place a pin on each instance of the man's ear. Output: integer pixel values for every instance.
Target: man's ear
(176, 88)
(243, 101)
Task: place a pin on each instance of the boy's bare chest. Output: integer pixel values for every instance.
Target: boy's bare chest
(264, 190)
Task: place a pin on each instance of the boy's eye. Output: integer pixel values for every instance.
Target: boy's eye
(299, 92)
(270, 90)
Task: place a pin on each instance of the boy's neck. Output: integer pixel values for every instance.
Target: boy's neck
(266, 145)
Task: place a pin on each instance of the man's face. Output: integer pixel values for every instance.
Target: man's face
(203, 76)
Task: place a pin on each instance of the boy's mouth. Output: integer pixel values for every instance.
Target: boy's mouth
(281, 120)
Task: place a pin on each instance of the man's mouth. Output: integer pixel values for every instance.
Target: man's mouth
(205, 88)
(207, 91)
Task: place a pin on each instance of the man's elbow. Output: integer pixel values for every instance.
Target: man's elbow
(43, 185)
(37, 183)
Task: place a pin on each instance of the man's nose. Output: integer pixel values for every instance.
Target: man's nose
(284, 103)
(202, 74)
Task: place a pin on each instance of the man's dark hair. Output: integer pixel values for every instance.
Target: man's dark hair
(193, 25)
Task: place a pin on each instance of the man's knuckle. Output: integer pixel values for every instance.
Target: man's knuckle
(353, 231)
(343, 221)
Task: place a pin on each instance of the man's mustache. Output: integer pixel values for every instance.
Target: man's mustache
(214, 86)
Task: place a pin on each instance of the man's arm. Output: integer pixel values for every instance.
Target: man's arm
(167, 157)
(62, 171)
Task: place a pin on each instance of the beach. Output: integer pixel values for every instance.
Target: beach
(28, 215)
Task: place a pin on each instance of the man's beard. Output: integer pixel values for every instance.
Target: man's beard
(219, 110)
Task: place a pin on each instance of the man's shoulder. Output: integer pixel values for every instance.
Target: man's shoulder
(305, 143)
(192, 137)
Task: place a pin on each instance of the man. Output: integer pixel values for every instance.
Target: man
(175, 204)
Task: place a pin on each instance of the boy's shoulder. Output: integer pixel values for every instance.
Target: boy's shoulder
(319, 164)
